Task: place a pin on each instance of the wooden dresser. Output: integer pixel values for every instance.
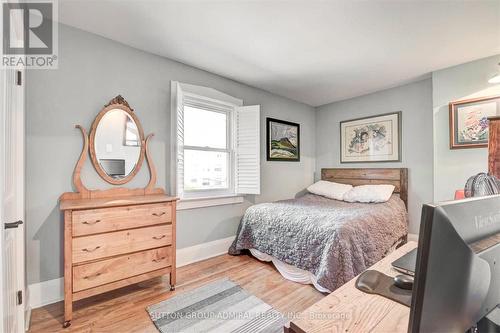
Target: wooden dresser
(118, 236)
(494, 147)
(110, 243)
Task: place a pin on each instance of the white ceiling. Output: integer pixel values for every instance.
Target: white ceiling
(311, 51)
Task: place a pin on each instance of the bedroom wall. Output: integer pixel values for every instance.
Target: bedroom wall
(415, 102)
(452, 168)
(91, 71)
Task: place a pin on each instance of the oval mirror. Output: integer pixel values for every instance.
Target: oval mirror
(117, 143)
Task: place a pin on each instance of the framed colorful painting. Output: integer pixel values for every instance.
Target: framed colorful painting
(283, 140)
(371, 139)
(469, 121)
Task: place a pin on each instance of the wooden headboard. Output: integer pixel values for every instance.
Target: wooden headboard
(370, 176)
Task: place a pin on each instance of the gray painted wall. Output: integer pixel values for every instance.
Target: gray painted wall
(454, 167)
(91, 71)
(414, 100)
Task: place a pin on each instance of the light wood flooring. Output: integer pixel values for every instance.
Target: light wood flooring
(124, 310)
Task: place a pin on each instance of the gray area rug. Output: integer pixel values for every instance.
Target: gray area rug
(221, 306)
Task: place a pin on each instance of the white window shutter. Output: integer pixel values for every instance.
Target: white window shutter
(180, 140)
(247, 150)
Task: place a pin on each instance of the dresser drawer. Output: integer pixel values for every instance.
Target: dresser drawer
(93, 221)
(114, 243)
(105, 271)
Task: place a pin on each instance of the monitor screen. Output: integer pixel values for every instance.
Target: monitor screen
(113, 167)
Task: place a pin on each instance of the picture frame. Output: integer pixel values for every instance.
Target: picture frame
(371, 139)
(283, 140)
(469, 121)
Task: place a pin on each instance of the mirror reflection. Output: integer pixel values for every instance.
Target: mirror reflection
(117, 144)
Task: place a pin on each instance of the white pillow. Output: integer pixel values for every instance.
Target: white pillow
(329, 189)
(369, 193)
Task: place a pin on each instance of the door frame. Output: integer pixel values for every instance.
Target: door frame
(20, 165)
(17, 122)
(17, 105)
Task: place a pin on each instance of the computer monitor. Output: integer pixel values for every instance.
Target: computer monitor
(457, 276)
(113, 167)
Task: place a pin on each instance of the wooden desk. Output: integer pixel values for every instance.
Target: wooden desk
(348, 309)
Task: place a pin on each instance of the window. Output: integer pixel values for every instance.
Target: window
(217, 144)
(131, 134)
(207, 149)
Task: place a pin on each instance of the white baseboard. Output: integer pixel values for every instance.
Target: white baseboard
(413, 237)
(189, 255)
(52, 291)
(45, 292)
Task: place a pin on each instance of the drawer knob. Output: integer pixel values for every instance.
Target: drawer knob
(159, 237)
(88, 277)
(159, 259)
(91, 250)
(91, 222)
(159, 214)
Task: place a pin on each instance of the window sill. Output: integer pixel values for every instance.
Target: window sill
(192, 203)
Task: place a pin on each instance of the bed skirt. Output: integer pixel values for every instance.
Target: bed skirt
(301, 276)
(290, 272)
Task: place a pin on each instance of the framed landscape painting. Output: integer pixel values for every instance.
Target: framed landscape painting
(283, 140)
(469, 121)
(371, 139)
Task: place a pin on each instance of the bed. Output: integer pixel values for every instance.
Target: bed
(325, 242)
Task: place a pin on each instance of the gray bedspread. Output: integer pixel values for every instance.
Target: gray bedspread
(332, 239)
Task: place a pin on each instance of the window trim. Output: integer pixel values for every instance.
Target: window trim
(228, 110)
(214, 101)
(193, 203)
(178, 90)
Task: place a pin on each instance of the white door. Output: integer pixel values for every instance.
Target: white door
(12, 201)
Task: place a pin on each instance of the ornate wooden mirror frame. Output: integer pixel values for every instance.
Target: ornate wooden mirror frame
(82, 192)
(121, 104)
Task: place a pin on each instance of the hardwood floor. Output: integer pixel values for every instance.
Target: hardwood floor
(124, 310)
